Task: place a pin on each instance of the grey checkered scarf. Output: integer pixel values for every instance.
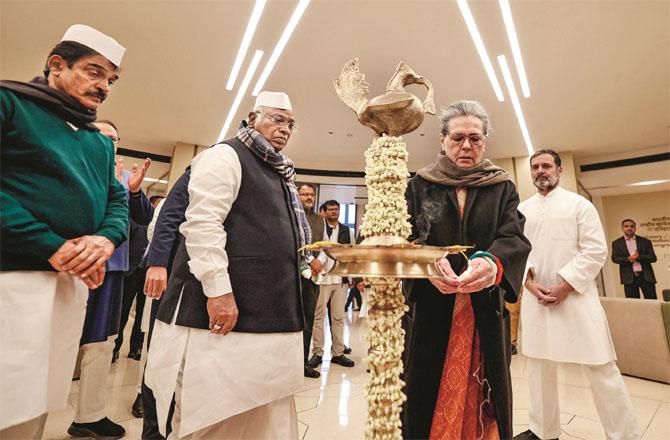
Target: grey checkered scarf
(262, 149)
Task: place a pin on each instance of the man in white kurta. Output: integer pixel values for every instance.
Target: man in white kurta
(562, 319)
(227, 385)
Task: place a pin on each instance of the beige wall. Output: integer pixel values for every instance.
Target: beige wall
(651, 211)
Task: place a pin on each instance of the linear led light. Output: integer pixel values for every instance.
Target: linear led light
(151, 179)
(279, 48)
(514, 44)
(240, 93)
(649, 182)
(246, 40)
(507, 76)
(481, 50)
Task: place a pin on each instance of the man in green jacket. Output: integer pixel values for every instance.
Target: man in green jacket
(62, 213)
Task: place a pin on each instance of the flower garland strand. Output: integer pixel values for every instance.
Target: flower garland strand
(386, 178)
(386, 214)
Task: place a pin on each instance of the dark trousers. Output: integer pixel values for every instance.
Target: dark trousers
(150, 422)
(133, 286)
(310, 293)
(354, 293)
(639, 283)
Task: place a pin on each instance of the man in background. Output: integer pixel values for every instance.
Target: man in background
(333, 289)
(62, 213)
(357, 287)
(133, 284)
(310, 291)
(634, 255)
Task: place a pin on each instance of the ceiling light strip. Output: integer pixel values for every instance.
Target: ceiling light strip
(279, 48)
(151, 179)
(240, 93)
(649, 182)
(481, 50)
(246, 40)
(506, 11)
(507, 76)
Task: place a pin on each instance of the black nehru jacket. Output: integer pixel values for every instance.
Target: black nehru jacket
(262, 243)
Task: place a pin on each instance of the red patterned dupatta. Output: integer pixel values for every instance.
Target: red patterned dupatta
(463, 409)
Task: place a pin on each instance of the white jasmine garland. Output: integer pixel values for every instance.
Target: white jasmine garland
(386, 214)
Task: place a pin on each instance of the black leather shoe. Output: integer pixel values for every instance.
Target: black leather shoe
(311, 372)
(347, 350)
(115, 356)
(103, 429)
(514, 351)
(529, 435)
(135, 354)
(315, 361)
(138, 408)
(342, 360)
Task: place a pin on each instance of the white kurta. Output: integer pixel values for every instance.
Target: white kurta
(222, 375)
(568, 244)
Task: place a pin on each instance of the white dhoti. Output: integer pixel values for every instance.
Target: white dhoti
(42, 320)
(613, 403)
(218, 377)
(276, 420)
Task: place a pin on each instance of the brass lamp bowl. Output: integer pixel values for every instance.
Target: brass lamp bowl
(387, 257)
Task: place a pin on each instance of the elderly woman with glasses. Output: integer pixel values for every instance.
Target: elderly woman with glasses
(458, 380)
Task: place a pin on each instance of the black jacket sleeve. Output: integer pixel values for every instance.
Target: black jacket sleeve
(172, 215)
(646, 251)
(620, 253)
(141, 211)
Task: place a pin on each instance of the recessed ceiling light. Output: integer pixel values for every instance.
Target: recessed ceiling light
(481, 49)
(281, 44)
(514, 44)
(246, 40)
(507, 76)
(240, 94)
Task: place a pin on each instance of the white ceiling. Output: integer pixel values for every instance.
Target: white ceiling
(599, 71)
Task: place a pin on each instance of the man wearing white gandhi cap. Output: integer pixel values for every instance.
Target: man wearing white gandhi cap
(63, 213)
(228, 336)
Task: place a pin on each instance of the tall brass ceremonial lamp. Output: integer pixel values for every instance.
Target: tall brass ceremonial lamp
(385, 256)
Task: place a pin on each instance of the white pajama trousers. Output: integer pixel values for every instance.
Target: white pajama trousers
(42, 320)
(610, 395)
(95, 363)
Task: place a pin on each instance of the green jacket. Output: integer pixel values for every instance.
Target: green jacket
(56, 183)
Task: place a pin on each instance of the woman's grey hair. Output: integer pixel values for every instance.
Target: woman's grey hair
(464, 108)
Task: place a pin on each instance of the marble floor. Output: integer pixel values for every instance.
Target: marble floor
(333, 406)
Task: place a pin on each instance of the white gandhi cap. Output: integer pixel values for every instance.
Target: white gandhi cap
(96, 40)
(273, 99)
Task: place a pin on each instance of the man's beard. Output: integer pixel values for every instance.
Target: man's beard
(545, 182)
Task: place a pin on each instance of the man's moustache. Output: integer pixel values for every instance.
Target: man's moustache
(100, 95)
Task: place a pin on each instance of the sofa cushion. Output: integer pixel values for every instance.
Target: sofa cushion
(640, 333)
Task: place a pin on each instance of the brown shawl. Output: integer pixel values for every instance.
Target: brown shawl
(445, 172)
